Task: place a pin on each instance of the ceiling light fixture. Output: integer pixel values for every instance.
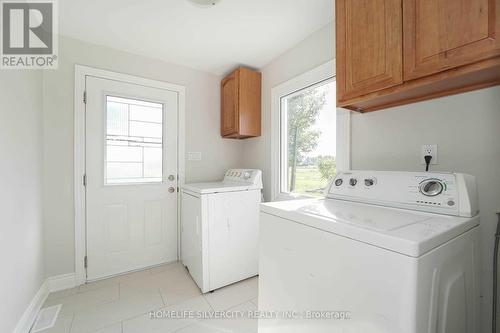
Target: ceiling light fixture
(204, 3)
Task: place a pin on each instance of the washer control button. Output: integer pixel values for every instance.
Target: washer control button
(353, 181)
(451, 203)
(369, 182)
(431, 187)
(338, 181)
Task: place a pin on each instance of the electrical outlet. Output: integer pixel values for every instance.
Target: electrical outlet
(429, 150)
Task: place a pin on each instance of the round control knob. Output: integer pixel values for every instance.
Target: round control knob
(369, 182)
(353, 181)
(431, 187)
(247, 175)
(338, 181)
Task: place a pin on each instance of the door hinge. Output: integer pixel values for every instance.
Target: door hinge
(85, 97)
(85, 180)
(85, 262)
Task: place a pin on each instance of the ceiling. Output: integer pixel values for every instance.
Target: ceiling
(216, 39)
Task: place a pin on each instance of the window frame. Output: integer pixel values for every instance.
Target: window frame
(319, 75)
(105, 183)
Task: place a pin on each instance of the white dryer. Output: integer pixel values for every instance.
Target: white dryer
(220, 229)
(384, 252)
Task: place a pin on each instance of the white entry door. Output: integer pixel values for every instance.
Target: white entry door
(131, 176)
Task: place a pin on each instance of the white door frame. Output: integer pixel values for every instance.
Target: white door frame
(81, 72)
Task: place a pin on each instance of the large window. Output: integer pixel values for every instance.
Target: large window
(308, 139)
(306, 129)
(134, 141)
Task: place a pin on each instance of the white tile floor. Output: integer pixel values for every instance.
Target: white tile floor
(123, 304)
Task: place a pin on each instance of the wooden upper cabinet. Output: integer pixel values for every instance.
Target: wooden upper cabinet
(229, 104)
(241, 104)
(395, 52)
(369, 46)
(444, 34)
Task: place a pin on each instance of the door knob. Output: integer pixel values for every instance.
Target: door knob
(171, 189)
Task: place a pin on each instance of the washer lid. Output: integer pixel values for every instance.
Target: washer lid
(218, 187)
(363, 216)
(407, 232)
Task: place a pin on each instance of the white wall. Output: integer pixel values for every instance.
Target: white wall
(466, 128)
(21, 238)
(202, 134)
(315, 50)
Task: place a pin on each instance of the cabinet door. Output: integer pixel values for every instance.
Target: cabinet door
(369, 46)
(443, 34)
(229, 104)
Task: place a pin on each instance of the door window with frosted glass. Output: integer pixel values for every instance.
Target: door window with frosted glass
(134, 141)
(308, 139)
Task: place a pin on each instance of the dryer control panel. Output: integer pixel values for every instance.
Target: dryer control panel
(442, 193)
(250, 176)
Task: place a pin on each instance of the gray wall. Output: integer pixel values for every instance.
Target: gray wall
(21, 238)
(312, 52)
(202, 134)
(466, 128)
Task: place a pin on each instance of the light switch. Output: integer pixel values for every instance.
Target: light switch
(194, 156)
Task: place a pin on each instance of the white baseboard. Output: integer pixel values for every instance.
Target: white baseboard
(51, 284)
(29, 316)
(61, 282)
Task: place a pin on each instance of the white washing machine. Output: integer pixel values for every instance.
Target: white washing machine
(220, 229)
(384, 252)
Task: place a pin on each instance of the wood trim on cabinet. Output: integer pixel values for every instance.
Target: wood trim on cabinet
(250, 103)
(457, 80)
(382, 51)
(241, 104)
(452, 47)
(483, 48)
(229, 122)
